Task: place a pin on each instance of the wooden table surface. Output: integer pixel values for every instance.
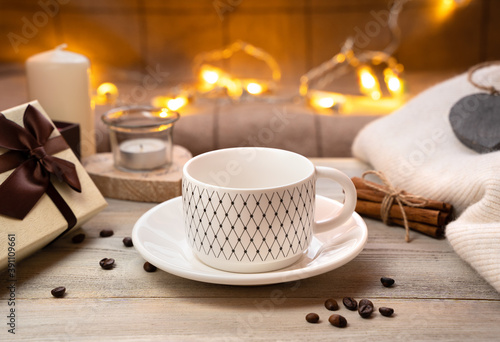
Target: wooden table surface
(437, 296)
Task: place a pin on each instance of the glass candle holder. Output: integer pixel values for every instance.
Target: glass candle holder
(141, 137)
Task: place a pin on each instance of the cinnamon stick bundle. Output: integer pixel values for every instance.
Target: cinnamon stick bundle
(427, 229)
(423, 215)
(369, 194)
(429, 219)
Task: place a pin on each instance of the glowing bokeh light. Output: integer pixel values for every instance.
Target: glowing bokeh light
(254, 88)
(210, 76)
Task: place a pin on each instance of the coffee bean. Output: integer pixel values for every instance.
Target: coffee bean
(331, 304)
(149, 267)
(58, 292)
(387, 312)
(387, 282)
(107, 263)
(127, 241)
(365, 302)
(312, 317)
(365, 310)
(78, 238)
(337, 321)
(350, 303)
(106, 233)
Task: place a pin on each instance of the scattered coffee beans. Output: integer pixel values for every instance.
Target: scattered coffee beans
(350, 303)
(337, 321)
(149, 267)
(387, 282)
(78, 238)
(106, 233)
(331, 304)
(312, 317)
(58, 292)
(107, 263)
(127, 241)
(387, 312)
(365, 308)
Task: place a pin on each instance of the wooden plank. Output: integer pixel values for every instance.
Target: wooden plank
(418, 275)
(275, 317)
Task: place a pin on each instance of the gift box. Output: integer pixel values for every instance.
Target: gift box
(71, 133)
(44, 190)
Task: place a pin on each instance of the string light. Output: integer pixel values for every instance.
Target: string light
(171, 103)
(347, 61)
(325, 100)
(211, 77)
(164, 113)
(177, 103)
(368, 83)
(393, 82)
(215, 79)
(446, 7)
(216, 82)
(107, 93)
(254, 88)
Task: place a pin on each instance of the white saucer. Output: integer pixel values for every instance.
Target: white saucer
(159, 237)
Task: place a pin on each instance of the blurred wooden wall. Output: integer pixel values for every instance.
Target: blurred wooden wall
(136, 34)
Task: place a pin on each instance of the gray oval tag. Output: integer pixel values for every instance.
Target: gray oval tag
(475, 120)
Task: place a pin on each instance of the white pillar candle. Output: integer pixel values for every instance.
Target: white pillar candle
(60, 81)
(142, 154)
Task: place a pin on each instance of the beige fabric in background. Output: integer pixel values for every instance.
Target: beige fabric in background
(418, 151)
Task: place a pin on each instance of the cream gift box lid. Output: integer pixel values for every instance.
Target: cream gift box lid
(44, 222)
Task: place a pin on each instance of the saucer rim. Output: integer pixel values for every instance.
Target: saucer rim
(216, 276)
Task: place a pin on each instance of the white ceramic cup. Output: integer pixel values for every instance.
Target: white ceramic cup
(251, 209)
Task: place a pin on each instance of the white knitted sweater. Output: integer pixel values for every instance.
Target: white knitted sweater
(417, 150)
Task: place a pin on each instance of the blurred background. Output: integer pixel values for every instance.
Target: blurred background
(131, 34)
(127, 39)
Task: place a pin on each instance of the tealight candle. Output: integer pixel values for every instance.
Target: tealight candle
(143, 154)
(141, 137)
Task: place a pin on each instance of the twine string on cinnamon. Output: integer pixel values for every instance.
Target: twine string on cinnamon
(491, 89)
(394, 194)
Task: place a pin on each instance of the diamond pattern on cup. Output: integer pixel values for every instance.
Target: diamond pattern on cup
(267, 226)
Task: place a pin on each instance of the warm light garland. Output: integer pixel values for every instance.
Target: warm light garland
(380, 82)
(347, 60)
(213, 79)
(215, 82)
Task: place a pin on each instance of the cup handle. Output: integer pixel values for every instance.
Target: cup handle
(349, 198)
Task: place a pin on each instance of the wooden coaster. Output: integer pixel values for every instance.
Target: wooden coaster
(155, 186)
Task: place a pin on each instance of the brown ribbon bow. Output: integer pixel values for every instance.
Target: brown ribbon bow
(30, 153)
(393, 194)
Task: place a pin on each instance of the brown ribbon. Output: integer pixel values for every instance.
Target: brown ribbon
(31, 155)
(393, 194)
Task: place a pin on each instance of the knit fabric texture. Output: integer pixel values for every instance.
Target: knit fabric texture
(418, 151)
